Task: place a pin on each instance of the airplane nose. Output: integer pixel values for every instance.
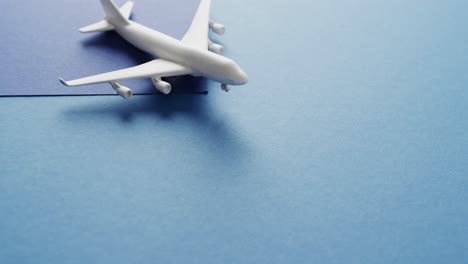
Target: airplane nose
(243, 78)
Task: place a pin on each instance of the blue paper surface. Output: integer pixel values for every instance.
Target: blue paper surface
(41, 42)
(349, 145)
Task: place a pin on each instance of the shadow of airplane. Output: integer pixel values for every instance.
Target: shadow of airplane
(192, 113)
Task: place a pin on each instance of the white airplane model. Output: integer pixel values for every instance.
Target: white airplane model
(189, 56)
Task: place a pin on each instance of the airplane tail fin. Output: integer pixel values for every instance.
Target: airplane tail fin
(114, 17)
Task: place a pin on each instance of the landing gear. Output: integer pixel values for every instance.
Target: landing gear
(225, 87)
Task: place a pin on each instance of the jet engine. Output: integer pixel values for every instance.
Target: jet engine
(217, 28)
(162, 86)
(216, 48)
(123, 91)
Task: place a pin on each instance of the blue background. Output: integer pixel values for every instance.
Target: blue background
(349, 145)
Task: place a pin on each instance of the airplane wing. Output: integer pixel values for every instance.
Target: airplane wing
(155, 68)
(197, 35)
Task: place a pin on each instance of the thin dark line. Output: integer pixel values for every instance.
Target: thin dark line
(94, 95)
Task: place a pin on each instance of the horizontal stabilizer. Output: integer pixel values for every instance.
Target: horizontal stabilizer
(124, 12)
(98, 27)
(113, 14)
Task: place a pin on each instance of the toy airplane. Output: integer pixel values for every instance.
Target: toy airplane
(189, 56)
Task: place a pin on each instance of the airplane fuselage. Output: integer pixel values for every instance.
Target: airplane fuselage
(202, 62)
